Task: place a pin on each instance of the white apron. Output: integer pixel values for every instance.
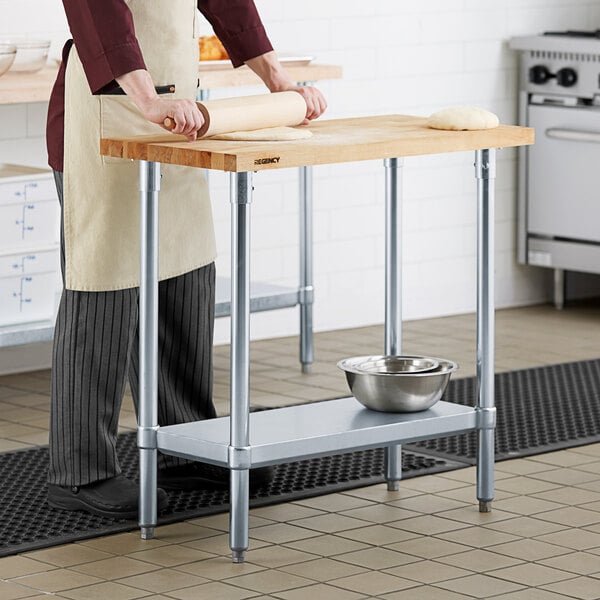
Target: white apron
(101, 194)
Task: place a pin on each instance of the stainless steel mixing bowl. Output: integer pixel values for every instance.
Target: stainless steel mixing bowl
(393, 391)
(396, 364)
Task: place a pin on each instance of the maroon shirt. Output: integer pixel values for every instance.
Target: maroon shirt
(104, 35)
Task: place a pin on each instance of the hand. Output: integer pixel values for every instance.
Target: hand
(269, 69)
(188, 119)
(139, 87)
(315, 101)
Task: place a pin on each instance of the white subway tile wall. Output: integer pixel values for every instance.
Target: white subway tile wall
(400, 56)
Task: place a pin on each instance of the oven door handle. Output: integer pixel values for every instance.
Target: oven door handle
(572, 135)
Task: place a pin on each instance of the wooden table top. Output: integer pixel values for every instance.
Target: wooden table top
(333, 141)
(18, 88)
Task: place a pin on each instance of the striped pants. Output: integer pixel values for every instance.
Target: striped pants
(96, 348)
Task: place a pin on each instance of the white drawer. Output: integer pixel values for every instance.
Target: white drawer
(21, 192)
(26, 298)
(27, 263)
(31, 223)
(20, 184)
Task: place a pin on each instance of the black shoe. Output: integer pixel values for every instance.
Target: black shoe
(198, 475)
(116, 497)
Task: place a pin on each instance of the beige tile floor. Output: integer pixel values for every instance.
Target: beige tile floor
(427, 541)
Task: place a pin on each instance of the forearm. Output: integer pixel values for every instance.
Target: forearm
(269, 69)
(276, 78)
(139, 87)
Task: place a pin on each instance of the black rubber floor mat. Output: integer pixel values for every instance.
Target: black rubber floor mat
(538, 410)
(28, 523)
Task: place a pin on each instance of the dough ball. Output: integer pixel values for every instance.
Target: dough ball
(460, 118)
(271, 134)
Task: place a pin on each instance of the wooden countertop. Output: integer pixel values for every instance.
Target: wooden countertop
(334, 141)
(17, 88)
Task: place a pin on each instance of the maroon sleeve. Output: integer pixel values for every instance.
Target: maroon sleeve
(238, 25)
(104, 36)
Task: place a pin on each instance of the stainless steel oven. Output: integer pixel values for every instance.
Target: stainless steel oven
(559, 177)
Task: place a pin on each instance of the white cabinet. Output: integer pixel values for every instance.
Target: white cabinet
(29, 286)
(30, 281)
(27, 224)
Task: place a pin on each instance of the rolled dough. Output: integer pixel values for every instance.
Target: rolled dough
(460, 118)
(270, 134)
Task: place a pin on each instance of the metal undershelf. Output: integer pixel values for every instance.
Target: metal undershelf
(263, 297)
(26, 333)
(316, 429)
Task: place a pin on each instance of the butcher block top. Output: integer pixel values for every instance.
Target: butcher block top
(333, 141)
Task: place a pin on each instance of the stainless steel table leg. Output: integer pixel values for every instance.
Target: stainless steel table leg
(559, 288)
(306, 269)
(148, 327)
(241, 197)
(306, 290)
(485, 172)
(393, 292)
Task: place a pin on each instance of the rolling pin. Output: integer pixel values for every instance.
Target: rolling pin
(246, 113)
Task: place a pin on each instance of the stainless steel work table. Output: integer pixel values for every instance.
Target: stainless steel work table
(270, 437)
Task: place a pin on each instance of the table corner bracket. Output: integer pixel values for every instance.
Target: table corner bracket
(147, 437)
(485, 164)
(485, 418)
(306, 294)
(239, 458)
(393, 163)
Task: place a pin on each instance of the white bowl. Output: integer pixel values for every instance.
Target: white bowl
(8, 53)
(32, 55)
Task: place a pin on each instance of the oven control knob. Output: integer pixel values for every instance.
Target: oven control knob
(539, 74)
(566, 77)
